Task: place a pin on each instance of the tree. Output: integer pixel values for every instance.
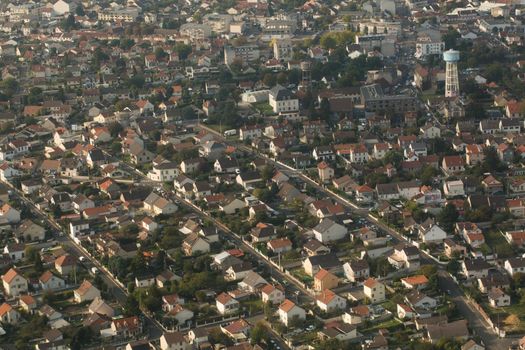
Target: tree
(328, 42)
(269, 79)
(258, 334)
(69, 23)
(115, 128)
(183, 50)
(448, 217)
(131, 307)
(81, 338)
(267, 173)
(80, 10)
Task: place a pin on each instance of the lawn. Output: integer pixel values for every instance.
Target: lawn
(389, 324)
(517, 309)
(253, 306)
(264, 108)
(302, 276)
(498, 244)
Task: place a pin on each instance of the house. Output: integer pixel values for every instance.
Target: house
(232, 206)
(86, 292)
(263, 233)
(169, 301)
(272, 294)
(225, 165)
(314, 247)
(8, 315)
(144, 281)
(515, 237)
(420, 301)
(494, 279)
(431, 233)
(415, 282)
(313, 264)
(159, 205)
(325, 172)
(48, 281)
(126, 327)
(337, 330)
(253, 282)
(14, 283)
(498, 298)
(195, 244)
(226, 304)
(453, 164)
(164, 172)
(248, 179)
(28, 303)
(454, 330)
(364, 194)
(289, 312)
(429, 131)
(279, 245)
(180, 314)
(237, 330)
(250, 132)
(356, 270)
(174, 341)
(405, 257)
(475, 268)
(374, 290)
(515, 265)
(16, 251)
(472, 345)
(328, 301)
(8, 214)
(30, 231)
(454, 188)
(328, 231)
(453, 249)
(405, 312)
(491, 185)
(324, 279)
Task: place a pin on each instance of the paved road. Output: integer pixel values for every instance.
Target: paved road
(480, 327)
(118, 291)
(475, 319)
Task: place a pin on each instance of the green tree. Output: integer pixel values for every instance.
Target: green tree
(448, 217)
(258, 334)
(131, 307)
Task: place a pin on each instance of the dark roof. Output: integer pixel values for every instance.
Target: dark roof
(325, 261)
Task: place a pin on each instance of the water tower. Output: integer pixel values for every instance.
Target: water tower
(451, 58)
(306, 74)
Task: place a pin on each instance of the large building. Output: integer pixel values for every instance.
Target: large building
(375, 100)
(117, 13)
(244, 53)
(283, 101)
(426, 46)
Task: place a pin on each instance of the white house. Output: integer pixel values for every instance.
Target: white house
(86, 292)
(174, 341)
(48, 281)
(328, 301)
(328, 230)
(289, 311)
(14, 283)
(431, 233)
(374, 290)
(515, 265)
(226, 304)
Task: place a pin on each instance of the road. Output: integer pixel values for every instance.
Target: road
(476, 322)
(235, 239)
(115, 288)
